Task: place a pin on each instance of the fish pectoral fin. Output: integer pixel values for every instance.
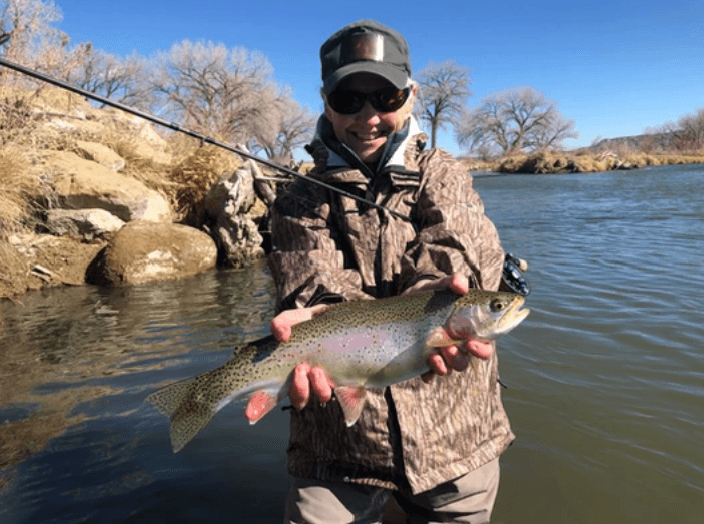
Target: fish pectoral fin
(352, 400)
(439, 338)
(260, 403)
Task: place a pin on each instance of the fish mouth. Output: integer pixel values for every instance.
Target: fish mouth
(513, 316)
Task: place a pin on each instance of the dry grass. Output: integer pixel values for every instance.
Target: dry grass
(550, 162)
(19, 182)
(194, 175)
(154, 175)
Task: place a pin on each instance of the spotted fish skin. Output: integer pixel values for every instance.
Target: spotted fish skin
(360, 344)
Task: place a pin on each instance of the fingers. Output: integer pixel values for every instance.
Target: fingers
(300, 386)
(451, 358)
(480, 348)
(282, 323)
(447, 359)
(458, 283)
(321, 384)
(306, 380)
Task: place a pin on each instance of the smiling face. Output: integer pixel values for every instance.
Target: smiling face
(367, 131)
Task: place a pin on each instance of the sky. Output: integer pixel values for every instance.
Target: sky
(615, 67)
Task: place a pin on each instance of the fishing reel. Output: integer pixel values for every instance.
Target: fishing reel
(512, 276)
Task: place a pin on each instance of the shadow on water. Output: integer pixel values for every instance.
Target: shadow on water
(605, 377)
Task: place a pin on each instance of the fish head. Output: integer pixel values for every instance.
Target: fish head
(486, 315)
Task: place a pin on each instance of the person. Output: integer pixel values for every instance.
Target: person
(426, 448)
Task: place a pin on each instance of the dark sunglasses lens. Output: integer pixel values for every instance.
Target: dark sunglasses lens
(384, 100)
(346, 102)
(388, 100)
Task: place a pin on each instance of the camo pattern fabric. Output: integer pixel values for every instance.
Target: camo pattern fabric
(328, 248)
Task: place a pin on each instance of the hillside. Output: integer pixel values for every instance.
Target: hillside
(646, 143)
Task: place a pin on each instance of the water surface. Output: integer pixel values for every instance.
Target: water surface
(606, 376)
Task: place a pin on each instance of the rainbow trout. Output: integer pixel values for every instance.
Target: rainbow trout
(361, 344)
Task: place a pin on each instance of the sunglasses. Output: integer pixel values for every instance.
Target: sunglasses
(384, 100)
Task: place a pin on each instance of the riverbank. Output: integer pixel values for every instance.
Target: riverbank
(564, 162)
(71, 175)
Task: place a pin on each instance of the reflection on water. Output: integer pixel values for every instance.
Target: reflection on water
(605, 377)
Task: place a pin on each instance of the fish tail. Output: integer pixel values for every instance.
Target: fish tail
(191, 403)
(186, 423)
(168, 399)
(179, 402)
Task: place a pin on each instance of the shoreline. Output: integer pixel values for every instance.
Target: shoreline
(559, 163)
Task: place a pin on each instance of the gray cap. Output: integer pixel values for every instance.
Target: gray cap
(365, 46)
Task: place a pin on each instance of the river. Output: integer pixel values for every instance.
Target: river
(605, 378)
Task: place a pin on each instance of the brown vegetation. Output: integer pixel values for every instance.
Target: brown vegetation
(551, 162)
(38, 120)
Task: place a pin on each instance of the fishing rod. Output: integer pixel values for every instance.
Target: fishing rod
(203, 139)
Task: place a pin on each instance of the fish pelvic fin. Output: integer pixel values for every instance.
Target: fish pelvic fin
(261, 403)
(352, 400)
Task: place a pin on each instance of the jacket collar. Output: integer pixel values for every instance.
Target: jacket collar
(336, 162)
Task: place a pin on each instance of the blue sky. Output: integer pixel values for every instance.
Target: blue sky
(615, 67)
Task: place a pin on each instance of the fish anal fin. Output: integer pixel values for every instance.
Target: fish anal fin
(439, 338)
(260, 403)
(352, 400)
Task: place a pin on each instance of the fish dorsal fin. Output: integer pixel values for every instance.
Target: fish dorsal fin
(351, 400)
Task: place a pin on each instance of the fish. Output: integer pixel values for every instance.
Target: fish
(361, 344)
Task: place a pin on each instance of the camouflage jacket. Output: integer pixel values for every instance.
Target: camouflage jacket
(328, 248)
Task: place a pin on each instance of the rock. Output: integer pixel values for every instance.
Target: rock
(226, 206)
(81, 183)
(143, 252)
(101, 154)
(148, 144)
(88, 223)
(74, 126)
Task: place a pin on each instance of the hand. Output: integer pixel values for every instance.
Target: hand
(452, 357)
(305, 378)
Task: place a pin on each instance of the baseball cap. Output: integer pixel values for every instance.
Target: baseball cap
(365, 46)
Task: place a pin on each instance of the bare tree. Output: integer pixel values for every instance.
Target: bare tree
(514, 120)
(27, 34)
(443, 94)
(124, 80)
(296, 130)
(690, 132)
(228, 93)
(687, 134)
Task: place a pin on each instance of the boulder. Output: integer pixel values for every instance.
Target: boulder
(148, 144)
(81, 183)
(144, 251)
(101, 154)
(226, 206)
(88, 223)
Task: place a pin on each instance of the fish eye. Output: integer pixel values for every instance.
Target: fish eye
(497, 305)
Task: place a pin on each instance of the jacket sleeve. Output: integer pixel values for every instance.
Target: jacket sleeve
(307, 265)
(455, 236)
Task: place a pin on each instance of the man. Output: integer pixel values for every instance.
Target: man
(431, 444)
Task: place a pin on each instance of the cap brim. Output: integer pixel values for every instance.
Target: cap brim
(396, 76)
